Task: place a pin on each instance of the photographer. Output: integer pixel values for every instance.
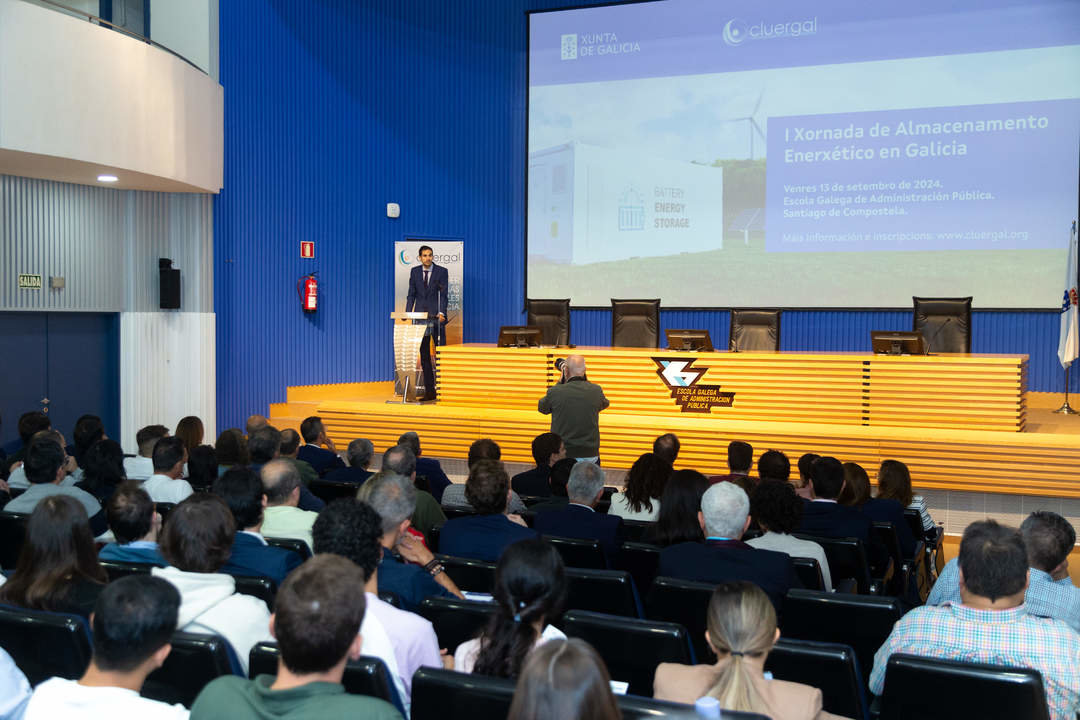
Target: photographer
(574, 405)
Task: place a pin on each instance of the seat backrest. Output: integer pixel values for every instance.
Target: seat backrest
(433, 537)
(944, 322)
(847, 559)
(390, 598)
(116, 569)
(193, 661)
(631, 648)
(450, 695)
(635, 530)
(685, 602)
(860, 621)
(935, 689)
(163, 509)
(914, 521)
(45, 644)
(328, 490)
(12, 534)
(634, 707)
(754, 330)
(553, 319)
(296, 545)
(469, 574)
(261, 587)
(455, 620)
(605, 591)
(579, 552)
(642, 561)
(809, 573)
(830, 667)
(635, 323)
(457, 512)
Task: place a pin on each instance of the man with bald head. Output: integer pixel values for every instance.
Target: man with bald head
(254, 423)
(574, 405)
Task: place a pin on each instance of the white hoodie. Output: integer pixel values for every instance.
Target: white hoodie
(209, 603)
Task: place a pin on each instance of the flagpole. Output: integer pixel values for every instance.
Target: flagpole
(1065, 408)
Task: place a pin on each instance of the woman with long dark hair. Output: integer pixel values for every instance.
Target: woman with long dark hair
(58, 566)
(530, 588)
(679, 507)
(190, 430)
(644, 486)
(231, 449)
(564, 680)
(103, 469)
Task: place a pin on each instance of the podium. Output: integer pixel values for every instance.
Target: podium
(407, 339)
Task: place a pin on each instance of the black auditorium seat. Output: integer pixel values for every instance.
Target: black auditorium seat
(829, 667)
(635, 323)
(12, 534)
(685, 602)
(457, 512)
(164, 509)
(631, 648)
(887, 536)
(116, 569)
(552, 317)
(809, 573)
(848, 560)
(194, 661)
(635, 530)
(944, 322)
(390, 598)
(578, 552)
(754, 330)
(455, 620)
(468, 574)
(606, 591)
(261, 587)
(296, 545)
(642, 561)
(934, 689)
(330, 490)
(45, 644)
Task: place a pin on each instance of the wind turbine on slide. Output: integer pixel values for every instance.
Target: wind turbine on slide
(752, 124)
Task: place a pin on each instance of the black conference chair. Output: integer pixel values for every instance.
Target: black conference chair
(901, 579)
(433, 538)
(809, 573)
(606, 591)
(261, 587)
(116, 569)
(164, 509)
(294, 544)
(12, 534)
(631, 648)
(635, 323)
(848, 560)
(685, 602)
(754, 330)
(467, 574)
(390, 598)
(578, 552)
(935, 689)
(45, 644)
(642, 561)
(455, 620)
(328, 490)
(862, 622)
(604, 503)
(829, 667)
(193, 662)
(365, 676)
(553, 319)
(945, 323)
(635, 530)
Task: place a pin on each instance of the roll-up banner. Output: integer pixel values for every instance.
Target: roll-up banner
(448, 254)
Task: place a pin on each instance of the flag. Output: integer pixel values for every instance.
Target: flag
(1069, 341)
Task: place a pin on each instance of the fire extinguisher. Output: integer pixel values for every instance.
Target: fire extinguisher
(307, 287)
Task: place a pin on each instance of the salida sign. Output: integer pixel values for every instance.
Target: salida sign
(691, 396)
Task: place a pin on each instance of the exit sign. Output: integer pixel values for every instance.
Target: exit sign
(29, 282)
(307, 248)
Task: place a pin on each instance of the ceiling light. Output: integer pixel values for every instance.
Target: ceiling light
(107, 178)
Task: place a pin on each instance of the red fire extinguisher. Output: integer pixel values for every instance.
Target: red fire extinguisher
(308, 290)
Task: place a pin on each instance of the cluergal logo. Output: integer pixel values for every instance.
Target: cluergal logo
(682, 379)
(569, 46)
(403, 258)
(736, 32)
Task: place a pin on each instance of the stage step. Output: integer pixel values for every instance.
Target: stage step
(342, 391)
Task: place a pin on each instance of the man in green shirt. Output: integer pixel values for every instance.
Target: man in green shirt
(574, 405)
(316, 622)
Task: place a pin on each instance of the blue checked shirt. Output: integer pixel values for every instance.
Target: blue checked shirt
(1045, 596)
(999, 637)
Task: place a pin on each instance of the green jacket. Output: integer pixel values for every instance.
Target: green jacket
(575, 407)
(238, 698)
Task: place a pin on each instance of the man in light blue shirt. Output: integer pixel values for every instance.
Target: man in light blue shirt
(1049, 539)
(135, 525)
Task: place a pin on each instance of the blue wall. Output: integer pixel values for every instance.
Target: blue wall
(334, 108)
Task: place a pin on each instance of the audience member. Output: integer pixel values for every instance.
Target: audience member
(88, 430)
(579, 519)
(133, 623)
(264, 445)
(30, 424)
(644, 486)
(530, 589)
(316, 622)
(558, 479)
(427, 513)
(312, 453)
(680, 506)
(72, 472)
(741, 631)
(991, 624)
(202, 467)
(167, 483)
(393, 497)
(289, 451)
(547, 449)
(894, 483)
(243, 492)
(564, 680)
(777, 509)
(253, 423)
(1048, 538)
(740, 458)
(141, 467)
(403, 640)
(856, 494)
(103, 469)
(190, 430)
(283, 517)
(825, 517)
(666, 447)
(429, 473)
(359, 453)
(773, 465)
(456, 496)
(484, 536)
(231, 449)
(45, 465)
(724, 517)
(803, 486)
(14, 688)
(197, 541)
(483, 449)
(574, 405)
(58, 568)
(135, 525)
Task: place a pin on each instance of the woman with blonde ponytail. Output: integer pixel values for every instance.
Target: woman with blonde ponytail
(741, 631)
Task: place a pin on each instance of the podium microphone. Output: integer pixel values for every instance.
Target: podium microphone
(930, 342)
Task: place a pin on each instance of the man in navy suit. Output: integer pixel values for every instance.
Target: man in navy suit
(825, 517)
(314, 434)
(579, 519)
(547, 449)
(242, 491)
(724, 517)
(484, 536)
(429, 285)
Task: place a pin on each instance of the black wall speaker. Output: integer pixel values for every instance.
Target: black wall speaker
(169, 284)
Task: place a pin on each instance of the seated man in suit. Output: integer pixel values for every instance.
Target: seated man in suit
(454, 495)
(666, 447)
(428, 513)
(135, 525)
(264, 445)
(825, 517)
(579, 519)
(314, 436)
(547, 449)
(359, 453)
(486, 535)
(289, 449)
(740, 458)
(724, 517)
(429, 468)
(242, 491)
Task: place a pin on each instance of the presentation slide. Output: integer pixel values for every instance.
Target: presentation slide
(790, 154)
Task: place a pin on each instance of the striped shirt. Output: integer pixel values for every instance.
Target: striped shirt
(1045, 597)
(998, 637)
(919, 503)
